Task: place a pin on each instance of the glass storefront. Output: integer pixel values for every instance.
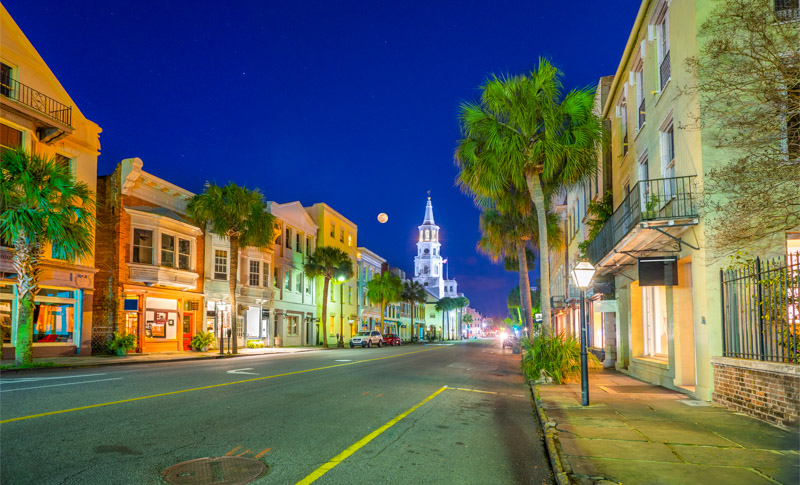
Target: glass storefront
(6, 311)
(56, 314)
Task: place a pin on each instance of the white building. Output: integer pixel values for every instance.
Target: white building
(428, 263)
(295, 312)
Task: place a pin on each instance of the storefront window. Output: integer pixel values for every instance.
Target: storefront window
(654, 320)
(6, 313)
(54, 315)
(292, 324)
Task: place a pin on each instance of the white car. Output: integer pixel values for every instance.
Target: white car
(366, 338)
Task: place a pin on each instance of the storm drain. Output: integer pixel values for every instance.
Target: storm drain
(225, 470)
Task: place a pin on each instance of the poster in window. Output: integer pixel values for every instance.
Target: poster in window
(160, 325)
(148, 329)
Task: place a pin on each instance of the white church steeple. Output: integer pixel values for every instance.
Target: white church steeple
(428, 262)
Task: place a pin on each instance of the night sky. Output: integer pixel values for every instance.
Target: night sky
(350, 103)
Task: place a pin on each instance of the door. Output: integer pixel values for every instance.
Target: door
(188, 331)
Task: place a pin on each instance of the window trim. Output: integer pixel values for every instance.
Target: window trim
(214, 264)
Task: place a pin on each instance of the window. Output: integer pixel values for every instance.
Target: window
(644, 187)
(292, 324)
(287, 277)
(278, 240)
(298, 286)
(662, 52)
(266, 276)
(167, 250)
(276, 278)
(64, 162)
(349, 295)
(297, 246)
(54, 316)
(6, 300)
(639, 77)
(333, 230)
(623, 124)
(786, 10)
(668, 157)
(288, 238)
(220, 264)
(5, 79)
(654, 320)
(255, 273)
(350, 240)
(341, 235)
(308, 245)
(184, 254)
(9, 138)
(142, 246)
(308, 285)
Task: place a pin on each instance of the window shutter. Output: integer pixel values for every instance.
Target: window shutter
(651, 33)
(642, 45)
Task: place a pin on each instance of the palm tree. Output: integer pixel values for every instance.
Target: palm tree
(461, 303)
(384, 288)
(241, 215)
(444, 305)
(329, 263)
(468, 320)
(525, 135)
(508, 235)
(413, 293)
(40, 204)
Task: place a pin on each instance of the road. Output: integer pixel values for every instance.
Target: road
(438, 414)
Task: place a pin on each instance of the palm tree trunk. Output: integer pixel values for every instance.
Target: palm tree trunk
(537, 197)
(411, 337)
(383, 310)
(27, 253)
(525, 284)
(323, 328)
(232, 282)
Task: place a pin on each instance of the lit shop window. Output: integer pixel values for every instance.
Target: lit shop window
(6, 311)
(142, 246)
(54, 315)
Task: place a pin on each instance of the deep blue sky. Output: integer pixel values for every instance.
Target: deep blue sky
(350, 103)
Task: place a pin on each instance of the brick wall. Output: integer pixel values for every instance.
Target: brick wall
(765, 390)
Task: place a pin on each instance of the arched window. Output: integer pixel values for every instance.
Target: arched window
(425, 270)
(427, 235)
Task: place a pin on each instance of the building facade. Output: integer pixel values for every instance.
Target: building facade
(337, 231)
(295, 309)
(149, 257)
(369, 312)
(38, 115)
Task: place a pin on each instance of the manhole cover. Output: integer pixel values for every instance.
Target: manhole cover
(225, 470)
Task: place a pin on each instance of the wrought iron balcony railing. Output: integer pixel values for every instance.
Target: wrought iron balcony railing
(787, 10)
(36, 100)
(649, 200)
(664, 71)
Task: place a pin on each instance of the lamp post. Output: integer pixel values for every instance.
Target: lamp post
(340, 342)
(582, 275)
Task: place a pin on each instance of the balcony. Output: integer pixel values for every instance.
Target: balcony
(161, 276)
(666, 206)
(787, 10)
(52, 118)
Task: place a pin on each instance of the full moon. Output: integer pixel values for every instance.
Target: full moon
(382, 218)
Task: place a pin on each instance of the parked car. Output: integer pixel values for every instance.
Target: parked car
(391, 339)
(511, 340)
(367, 339)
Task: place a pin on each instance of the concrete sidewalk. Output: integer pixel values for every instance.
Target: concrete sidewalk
(102, 359)
(637, 433)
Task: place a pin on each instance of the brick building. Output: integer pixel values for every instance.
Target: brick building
(149, 257)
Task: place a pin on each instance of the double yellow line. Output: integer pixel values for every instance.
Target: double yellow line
(91, 406)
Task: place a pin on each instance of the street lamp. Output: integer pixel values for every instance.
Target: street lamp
(582, 275)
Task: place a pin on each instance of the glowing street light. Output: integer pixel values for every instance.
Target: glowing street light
(582, 275)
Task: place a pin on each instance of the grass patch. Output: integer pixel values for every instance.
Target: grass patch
(34, 365)
(558, 358)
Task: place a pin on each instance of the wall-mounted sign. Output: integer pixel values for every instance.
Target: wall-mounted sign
(658, 271)
(131, 305)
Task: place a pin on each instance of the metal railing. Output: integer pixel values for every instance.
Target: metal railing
(641, 113)
(664, 71)
(786, 10)
(36, 100)
(649, 200)
(760, 311)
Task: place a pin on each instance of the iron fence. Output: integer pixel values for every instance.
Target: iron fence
(760, 313)
(664, 71)
(35, 100)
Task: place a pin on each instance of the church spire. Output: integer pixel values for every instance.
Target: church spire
(428, 213)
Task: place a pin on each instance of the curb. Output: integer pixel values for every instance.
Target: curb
(140, 362)
(550, 438)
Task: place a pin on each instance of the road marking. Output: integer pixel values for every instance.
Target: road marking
(64, 384)
(232, 451)
(379, 395)
(35, 379)
(365, 393)
(213, 386)
(243, 453)
(263, 453)
(473, 390)
(242, 371)
(363, 441)
(342, 360)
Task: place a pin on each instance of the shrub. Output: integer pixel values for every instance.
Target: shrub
(122, 341)
(557, 357)
(202, 339)
(255, 344)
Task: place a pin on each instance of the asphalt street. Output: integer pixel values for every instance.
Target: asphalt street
(438, 414)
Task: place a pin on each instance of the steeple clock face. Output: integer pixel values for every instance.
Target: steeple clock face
(427, 250)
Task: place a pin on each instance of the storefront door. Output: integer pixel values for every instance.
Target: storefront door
(188, 331)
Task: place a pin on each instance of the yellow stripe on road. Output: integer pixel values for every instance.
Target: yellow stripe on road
(91, 406)
(363, 441)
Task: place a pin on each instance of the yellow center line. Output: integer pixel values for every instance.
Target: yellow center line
(254, 379)
(474, 390)
(363, 441)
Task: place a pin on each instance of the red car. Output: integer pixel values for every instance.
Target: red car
(391, 339)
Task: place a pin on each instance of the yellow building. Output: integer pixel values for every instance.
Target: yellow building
(37, 114)
(337, 231)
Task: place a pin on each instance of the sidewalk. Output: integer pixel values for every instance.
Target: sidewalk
(637, 433)
(102, 359)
